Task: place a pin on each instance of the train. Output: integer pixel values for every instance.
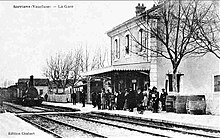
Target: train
(28, 95)
(31, 97)
(24, 93)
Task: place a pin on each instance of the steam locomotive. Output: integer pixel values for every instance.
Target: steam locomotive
(28, 94)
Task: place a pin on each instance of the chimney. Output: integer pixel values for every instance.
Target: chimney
(139, 9)
(31, 82)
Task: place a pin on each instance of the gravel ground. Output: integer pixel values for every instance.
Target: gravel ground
(62, 130)
(144, 128)
(202, 120)
(170, 133)
(106, 130)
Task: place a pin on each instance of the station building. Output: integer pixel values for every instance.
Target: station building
(136, 67)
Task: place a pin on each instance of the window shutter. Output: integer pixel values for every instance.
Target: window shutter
(178, 82)
(115, 48)
(217, 83)
(144, 41)
(118, 48)
(170, 82)
(123, 46)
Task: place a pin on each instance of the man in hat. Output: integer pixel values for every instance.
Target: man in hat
(163, 99)
(131, 100)
(83, 97)
(94, 99)
(140, 99)
(155, 99)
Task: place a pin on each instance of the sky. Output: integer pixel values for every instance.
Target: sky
(28, 36)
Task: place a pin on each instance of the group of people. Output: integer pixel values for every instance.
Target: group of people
(104, 99)
(147, 99)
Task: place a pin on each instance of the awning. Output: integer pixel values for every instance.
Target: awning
(122, 67)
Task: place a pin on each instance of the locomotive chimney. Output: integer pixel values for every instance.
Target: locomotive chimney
(31, 82)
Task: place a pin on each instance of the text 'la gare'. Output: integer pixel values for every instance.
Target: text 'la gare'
(65, 6)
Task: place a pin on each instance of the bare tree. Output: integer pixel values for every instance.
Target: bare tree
(58, 69)
(80, 65)
(173, 25)
(87, 54)
(207, 35)
(99, 59)
(65, 69)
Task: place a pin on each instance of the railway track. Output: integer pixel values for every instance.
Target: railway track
(37, 109)
(155, 130)
(194, 131)
(114, 124)
(33, 118)
(10, 107)
(41, 127)
(58, 128)
(57, 108)
(51, 126)
(101, 128)
(138, 126)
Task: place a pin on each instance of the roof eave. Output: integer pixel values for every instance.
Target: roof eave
(122, 24)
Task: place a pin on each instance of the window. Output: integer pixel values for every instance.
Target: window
(117, 49)
(217, 83)
(127, 44)
(141, 39)
(147, 42)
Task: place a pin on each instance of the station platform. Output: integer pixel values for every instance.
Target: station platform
(13, 127)
(201, 121)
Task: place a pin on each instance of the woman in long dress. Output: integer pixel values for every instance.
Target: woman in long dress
(126, 100)
(146, 96)
(103, 99)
